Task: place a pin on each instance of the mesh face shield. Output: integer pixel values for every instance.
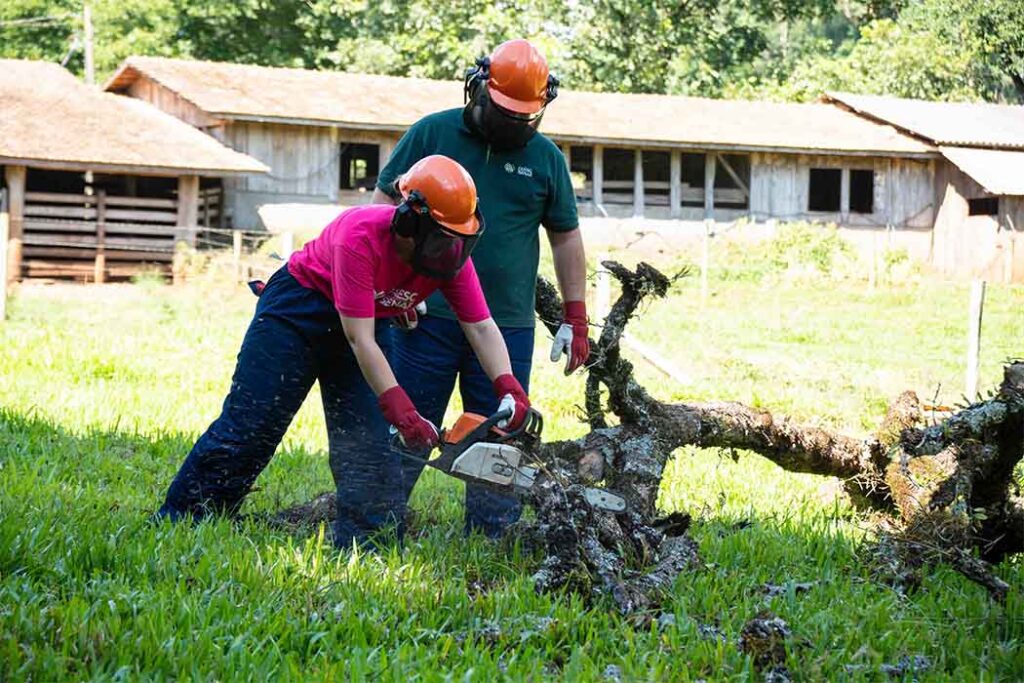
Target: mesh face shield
(439, 252)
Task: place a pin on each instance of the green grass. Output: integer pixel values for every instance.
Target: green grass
(103, 391)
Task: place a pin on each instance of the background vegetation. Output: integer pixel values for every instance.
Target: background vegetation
(780, 49)
(103, 391)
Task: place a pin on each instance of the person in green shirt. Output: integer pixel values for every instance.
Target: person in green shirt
(523, 183)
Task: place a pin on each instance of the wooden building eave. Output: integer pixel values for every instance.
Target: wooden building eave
(129, 169)
(667, 145)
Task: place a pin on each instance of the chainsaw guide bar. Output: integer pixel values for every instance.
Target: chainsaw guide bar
(475, 450)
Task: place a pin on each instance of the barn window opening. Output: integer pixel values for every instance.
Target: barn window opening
(862, 191)
(692, 178)
(618, 175)
(64, 182)
(983, 206)
(360, 164)
(824, 191)
(732, 181)
(581, 169)
(657, 169)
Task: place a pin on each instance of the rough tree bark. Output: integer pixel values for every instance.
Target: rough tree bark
(949, 487)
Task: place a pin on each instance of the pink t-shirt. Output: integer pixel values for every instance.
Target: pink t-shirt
(353, 263)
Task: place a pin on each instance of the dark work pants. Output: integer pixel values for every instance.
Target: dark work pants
(294, 339)
(427, 362)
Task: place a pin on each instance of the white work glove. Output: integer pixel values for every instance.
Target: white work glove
(562, 343)
(511, 395)
(572, 336)
(410, 318)
(508, 401)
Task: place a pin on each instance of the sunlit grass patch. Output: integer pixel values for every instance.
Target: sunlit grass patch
(103, 391)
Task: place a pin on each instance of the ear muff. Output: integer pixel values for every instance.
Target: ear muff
(552, 93)
(476, 76)
(408, 215)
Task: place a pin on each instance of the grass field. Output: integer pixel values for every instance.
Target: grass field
(103, 391)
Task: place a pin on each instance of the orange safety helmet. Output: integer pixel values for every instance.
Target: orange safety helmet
(447, 190)
(519, 77)
(506, 94)
(439, 213)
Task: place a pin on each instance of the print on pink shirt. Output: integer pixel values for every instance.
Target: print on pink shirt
(395, 298)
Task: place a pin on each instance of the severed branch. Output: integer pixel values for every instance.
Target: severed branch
(949, 489)
(972, 457)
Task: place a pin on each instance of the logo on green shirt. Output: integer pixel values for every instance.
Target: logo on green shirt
(521, 170)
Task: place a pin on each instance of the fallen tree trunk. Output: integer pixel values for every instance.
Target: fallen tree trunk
(949, 487)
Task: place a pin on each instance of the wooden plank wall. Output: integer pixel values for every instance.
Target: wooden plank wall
(169, 101)
(904, 192)
(302, 159)
(779, 185)
(970, 246)
(304, 163)
(93, 237)
(1012, 222)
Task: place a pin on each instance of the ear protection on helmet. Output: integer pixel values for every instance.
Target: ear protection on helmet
(478, 75)
(475, 77)
(406, 222)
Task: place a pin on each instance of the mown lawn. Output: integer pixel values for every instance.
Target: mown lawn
(103, 391)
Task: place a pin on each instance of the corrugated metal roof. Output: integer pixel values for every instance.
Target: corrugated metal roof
(236, 91)
(966, 124)
(47, 115)
(998, 171)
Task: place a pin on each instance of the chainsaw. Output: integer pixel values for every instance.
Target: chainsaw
(475, 450)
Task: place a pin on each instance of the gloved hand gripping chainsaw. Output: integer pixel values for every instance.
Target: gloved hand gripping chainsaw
(475, 450)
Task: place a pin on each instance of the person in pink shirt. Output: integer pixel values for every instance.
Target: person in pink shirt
(323, 318)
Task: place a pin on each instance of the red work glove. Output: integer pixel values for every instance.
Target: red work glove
(572, 337)
(416, 432)
(511, 394)
(410, 318)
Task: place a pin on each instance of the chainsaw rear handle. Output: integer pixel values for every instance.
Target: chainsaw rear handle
(488, 430)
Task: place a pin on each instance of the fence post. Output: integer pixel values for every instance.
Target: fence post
(705, 258)
(236, 252)
(974, 338)
(873, 273)
(4, 232)
(100, 265)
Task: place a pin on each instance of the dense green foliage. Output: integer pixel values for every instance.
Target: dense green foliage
(103, 391)
(782, 49)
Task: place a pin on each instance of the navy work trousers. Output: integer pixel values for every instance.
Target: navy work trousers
(427, 361)
(294, 339)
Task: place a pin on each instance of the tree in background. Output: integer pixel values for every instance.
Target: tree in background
(426, 38)
(779, 49)
(39, 29)
(934, 49)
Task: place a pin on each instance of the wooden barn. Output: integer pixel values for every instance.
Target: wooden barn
(325, 136)
(979, 181)
(99, 186)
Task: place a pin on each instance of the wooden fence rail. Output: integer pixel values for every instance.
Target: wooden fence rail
(93, 236)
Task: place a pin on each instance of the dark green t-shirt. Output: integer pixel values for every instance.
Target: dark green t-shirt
(518, 192)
